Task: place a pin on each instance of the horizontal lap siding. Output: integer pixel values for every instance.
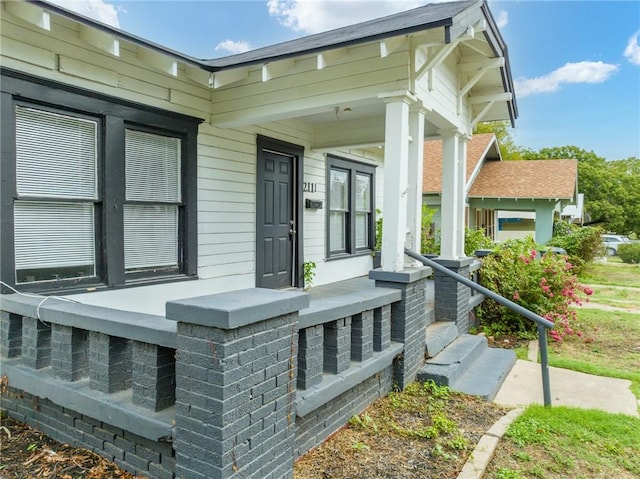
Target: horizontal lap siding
(226, 157)
(361, 73)
(226, 202)
(79, 64)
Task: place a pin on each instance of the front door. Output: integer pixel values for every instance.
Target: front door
(276, 228)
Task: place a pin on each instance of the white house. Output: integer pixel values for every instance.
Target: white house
(125, 163)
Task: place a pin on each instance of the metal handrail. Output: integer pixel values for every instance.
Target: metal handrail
(541, 322)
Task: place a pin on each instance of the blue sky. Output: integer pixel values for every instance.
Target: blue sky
(576, 64)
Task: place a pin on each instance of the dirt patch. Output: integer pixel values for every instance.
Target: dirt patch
(368, 448)
(26, 453)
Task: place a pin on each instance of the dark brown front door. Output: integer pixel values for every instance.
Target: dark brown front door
(276, 232)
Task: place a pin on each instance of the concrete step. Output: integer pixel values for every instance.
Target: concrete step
(438, 336)
(431, 313)
(486, 374)
(452, 362)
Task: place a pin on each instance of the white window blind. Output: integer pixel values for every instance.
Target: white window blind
(152, 176)
(53, 235)
(152, 167)
(150, 236)
(55, 155)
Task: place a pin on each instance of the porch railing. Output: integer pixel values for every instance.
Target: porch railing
(541, 322)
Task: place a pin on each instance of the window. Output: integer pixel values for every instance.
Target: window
(56, 184)
(153, 197)
(96, 191)
(350, 227)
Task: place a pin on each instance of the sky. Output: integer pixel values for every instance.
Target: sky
(575, 64)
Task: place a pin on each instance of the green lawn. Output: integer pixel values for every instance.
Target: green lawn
(620, 297)
(620, 274)
(609, 346)
(563, 442)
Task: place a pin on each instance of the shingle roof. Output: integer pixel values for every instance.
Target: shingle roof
(526, 179)
(477, 148)
(418, 19)
(422, 18)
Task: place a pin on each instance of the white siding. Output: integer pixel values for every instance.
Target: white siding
(226, 157)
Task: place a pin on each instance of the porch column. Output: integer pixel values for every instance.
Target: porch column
(544, 222)
(454, 155)
(462, 193)
(396, 161)
(414, 179)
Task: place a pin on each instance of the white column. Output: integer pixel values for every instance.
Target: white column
(450, 202)
(462, 197)
(396, 165)
(414, 178)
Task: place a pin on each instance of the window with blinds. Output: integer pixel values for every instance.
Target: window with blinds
(56, 184)
(97, 191)
(153, 195)
(350, 207)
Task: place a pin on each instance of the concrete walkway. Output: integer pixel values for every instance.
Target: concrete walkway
(523, 386)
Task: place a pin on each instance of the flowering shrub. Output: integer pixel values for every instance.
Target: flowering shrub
(546, 285)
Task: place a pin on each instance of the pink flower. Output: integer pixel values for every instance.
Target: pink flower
(588, 291)
(516, 296)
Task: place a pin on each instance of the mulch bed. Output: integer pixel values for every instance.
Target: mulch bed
(26, 453)
(351, 453)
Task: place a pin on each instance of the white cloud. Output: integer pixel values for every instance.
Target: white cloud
(580, 72)
(96, 9)
(632, 52)
(314, 16)
(503, 19)
(233, 47)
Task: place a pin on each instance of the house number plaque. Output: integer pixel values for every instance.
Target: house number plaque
(309, 187)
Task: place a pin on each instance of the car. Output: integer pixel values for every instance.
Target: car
(611, 243)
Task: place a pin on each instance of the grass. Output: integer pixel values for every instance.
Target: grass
(610, 346)
(616, 296)
(619, 274)
(563, 442)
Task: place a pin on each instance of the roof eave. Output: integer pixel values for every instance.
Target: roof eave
(494, 38)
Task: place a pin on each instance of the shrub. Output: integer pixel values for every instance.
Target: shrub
(429, 238)
(629, 253)
(546, 285)
(583, 242)
(475, 240)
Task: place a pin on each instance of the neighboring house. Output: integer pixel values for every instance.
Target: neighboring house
(128, 164)
(480, 148)
(507, 199)
(574, 213)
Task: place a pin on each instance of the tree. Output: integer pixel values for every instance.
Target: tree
(508, 149)
(611, 191)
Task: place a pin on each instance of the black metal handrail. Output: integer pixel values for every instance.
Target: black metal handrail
(541, 322)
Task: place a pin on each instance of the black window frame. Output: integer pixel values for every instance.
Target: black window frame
(353, 168)
(114, 115)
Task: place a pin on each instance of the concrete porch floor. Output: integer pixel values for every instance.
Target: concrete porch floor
(151, 299)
